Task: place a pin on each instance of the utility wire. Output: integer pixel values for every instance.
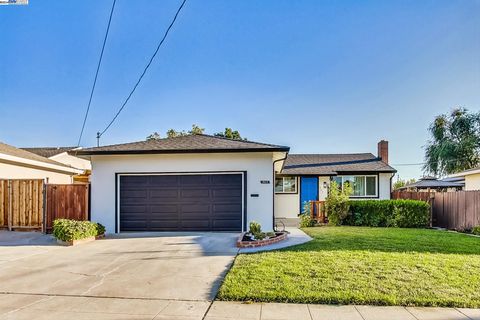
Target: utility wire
(99, 134)
(423, 163)
(96, 74)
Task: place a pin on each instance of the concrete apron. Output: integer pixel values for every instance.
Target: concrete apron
(164, 266)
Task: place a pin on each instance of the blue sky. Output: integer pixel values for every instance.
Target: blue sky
(318, 76)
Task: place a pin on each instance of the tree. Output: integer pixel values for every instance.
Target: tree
(402, 183)
(153, 136)
(172, 133)
(454, 144)
(230, 134)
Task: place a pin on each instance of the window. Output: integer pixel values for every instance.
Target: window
(285, 184)
(362, 186)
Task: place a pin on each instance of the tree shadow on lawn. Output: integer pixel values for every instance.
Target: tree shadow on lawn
(388, 240)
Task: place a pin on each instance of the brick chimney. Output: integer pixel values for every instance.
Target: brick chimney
(383, 150)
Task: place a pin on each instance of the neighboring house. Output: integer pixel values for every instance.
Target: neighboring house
(307, 177)
(61, 154)
(16, 163)
(432, 184)
(207, 183)
(471, 178)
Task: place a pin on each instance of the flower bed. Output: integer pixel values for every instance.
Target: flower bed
(247, 240)
(73, 232)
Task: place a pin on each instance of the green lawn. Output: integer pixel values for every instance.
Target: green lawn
(357, 265)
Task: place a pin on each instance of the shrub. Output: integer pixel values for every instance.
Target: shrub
(255, 227)
(388, 213)
(306, 221)
(68, 230)
(476, 230)
(337, 203)
(100, 228)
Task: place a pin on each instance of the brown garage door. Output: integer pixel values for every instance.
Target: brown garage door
(203, 202)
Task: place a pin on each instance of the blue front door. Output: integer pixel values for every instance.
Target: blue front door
(308, 190)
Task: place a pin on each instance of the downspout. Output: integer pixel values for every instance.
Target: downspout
(273, 186)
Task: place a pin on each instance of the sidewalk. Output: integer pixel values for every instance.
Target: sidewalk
(221, 310)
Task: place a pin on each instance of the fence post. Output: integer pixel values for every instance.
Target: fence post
(10, 205)
(44, 220)
(431, 200)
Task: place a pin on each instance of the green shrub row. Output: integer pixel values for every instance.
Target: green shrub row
(476, 230)
(388, 213)
(68, 230)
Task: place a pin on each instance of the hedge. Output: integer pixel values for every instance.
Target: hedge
(388, 213)
(68, 230)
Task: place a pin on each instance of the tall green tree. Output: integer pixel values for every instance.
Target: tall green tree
(230, 134)
(154, 136)
(454, 144)
(172, 133)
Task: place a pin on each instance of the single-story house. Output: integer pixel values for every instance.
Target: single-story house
(433, 184)
(307, 177)
(16, 163)
(471, 177)
(208, 183)
(60, 154)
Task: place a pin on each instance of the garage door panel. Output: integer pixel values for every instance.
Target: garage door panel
(200, 202)
(133, 193)
(194, 180)
(163, 194)
(226, 208)
(135, 180)
(160, 181)
(226, 224)
(195, 193)
(195, 224)
(228, 180)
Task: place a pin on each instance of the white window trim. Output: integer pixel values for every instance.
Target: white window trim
(365, 177)
(283, 186)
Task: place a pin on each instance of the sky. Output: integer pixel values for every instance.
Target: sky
(318, 76)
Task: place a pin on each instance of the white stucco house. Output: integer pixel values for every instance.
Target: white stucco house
(62, 155)
(208, 183)
(470, 177)
(16, 163)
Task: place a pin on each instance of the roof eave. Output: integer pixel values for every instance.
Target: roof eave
(172, 151)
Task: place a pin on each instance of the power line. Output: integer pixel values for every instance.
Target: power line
(99, 134)
(423, 163)
(96, 73)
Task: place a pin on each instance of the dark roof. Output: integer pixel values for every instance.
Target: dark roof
(48, 152)
(16, 152)
(432, 182)
(200, 143)
(333, 164)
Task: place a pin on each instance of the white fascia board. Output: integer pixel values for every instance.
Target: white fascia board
(464, 173)
(40, 164)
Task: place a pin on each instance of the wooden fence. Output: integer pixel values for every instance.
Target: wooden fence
(32, 204)
(21, 204)
(452, 210)
(69, 201)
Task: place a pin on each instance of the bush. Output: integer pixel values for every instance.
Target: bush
(388, 213)
(255, 227)
(476, 230)
(100, 228)
(306, 221)
(68, 230)
(337, 203)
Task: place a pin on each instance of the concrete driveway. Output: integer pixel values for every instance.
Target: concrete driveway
(149, 275)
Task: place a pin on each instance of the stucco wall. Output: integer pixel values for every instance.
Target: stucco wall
(288, 205)
(75, 162)
(384, 190)
(257, 165)
(10, 171)
(472, 182)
